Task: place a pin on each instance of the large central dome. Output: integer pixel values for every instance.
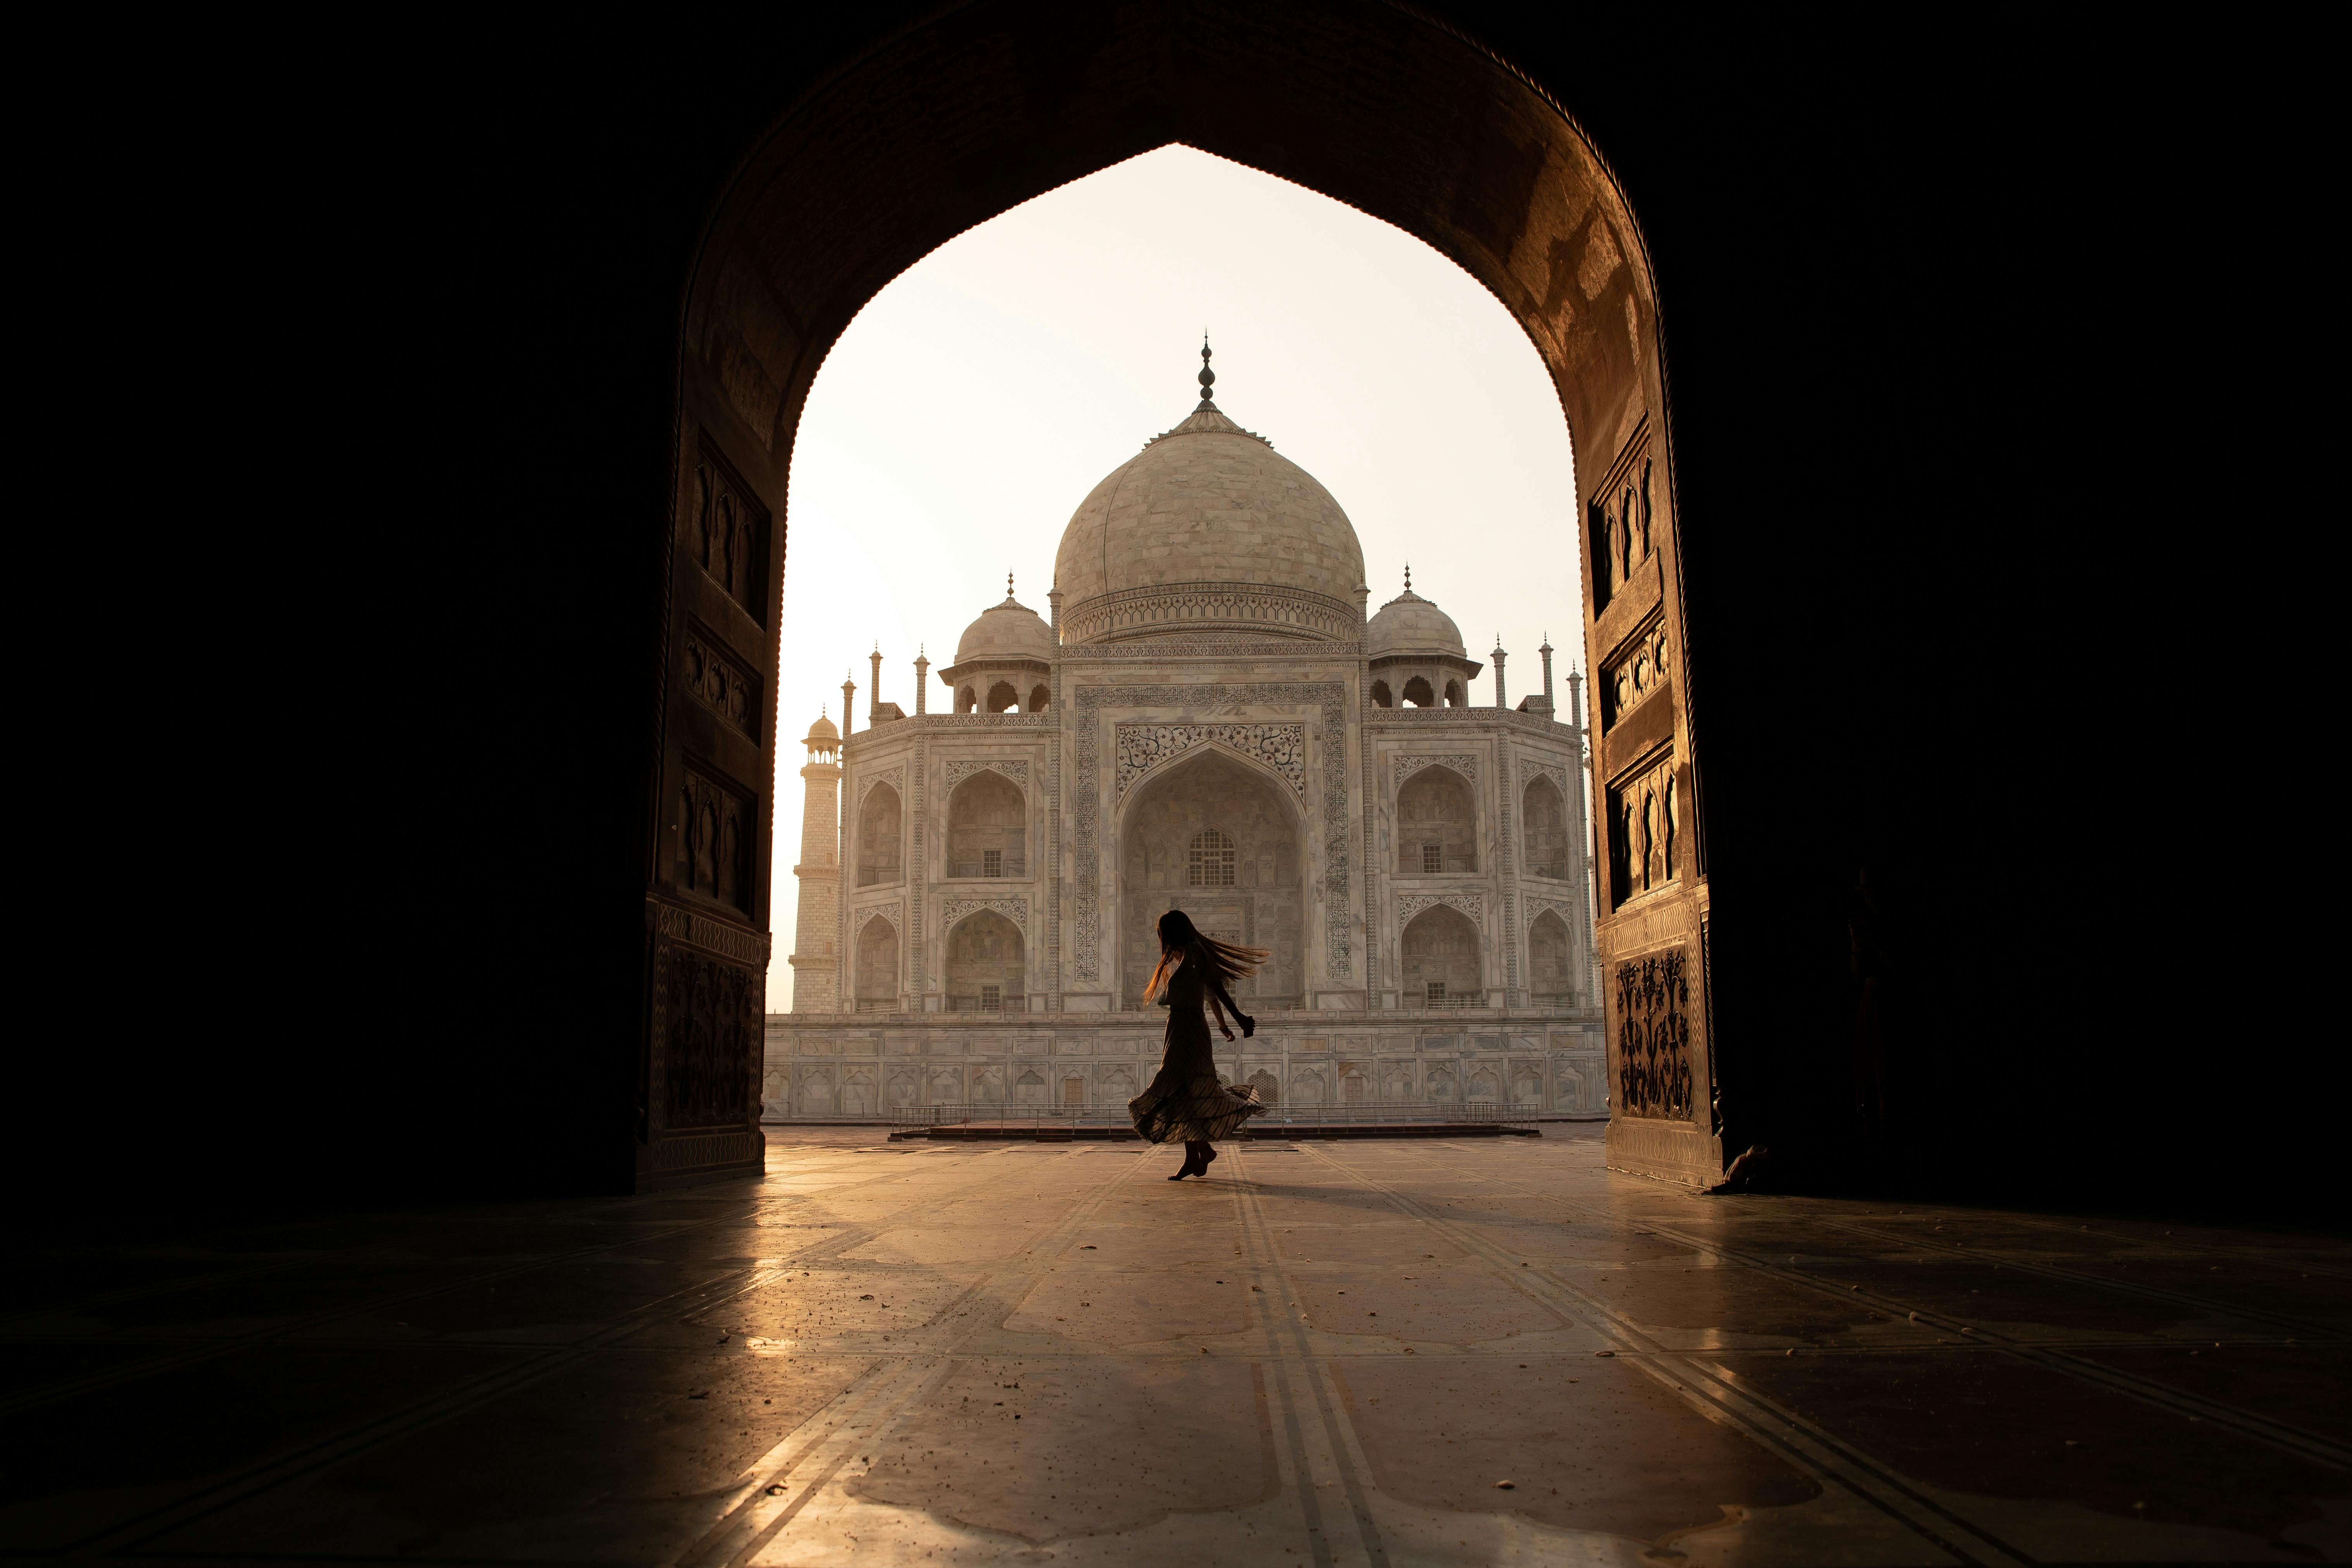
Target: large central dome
(1207, 532)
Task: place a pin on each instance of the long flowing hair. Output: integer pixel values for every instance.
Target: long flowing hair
(1181, 942)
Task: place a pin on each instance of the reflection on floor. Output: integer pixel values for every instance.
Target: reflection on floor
(1430, 1352)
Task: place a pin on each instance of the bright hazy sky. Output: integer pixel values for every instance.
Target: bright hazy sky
(975, 401)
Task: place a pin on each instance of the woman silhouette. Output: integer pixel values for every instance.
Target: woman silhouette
(1186, 1100)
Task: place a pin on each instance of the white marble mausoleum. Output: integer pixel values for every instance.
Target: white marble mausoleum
(1212, 718)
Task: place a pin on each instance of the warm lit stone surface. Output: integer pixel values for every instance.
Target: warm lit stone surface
(1328, 1352)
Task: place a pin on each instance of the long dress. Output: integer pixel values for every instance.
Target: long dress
(1185, 1102)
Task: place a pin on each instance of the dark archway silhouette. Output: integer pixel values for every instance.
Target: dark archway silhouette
(566, 300)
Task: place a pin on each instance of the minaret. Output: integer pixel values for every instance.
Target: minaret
(1498, 656)
(848, 696)
(816, 967)
(922, 680)
(1054, 603)
(1550, 712)
(1575, 696)
(874, 698)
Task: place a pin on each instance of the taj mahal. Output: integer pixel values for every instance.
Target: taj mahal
(1210, 717)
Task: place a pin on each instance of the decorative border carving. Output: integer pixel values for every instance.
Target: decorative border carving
(1165, 608)
(712, 936)
(1529, 772)
(867, 914)
(1567, 910)
(1331, 697)
(1403, 768)
(1404, 717)
(1229, 644)
(1018, 772)
(953, 910)
(1143, 747)
(895, 777)
(1411, 904)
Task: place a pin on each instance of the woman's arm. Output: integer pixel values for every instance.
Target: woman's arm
(1216, 991)
(1218, 994)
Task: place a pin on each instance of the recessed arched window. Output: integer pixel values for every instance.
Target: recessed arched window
(967, 699)
(1417, 692)
(1380, 695)
(1454, 694)
(1208, 860)
(1039, 698)
(878, 838)
(1002, 697)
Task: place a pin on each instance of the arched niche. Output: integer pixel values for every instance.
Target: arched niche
(879, 823)
(986, 965)
(1551, 960)
(1543, 829)
(1169, 859)
(1268, 1087)
(878, 967)
(1002, 696)
(1441, 960)
(1039, 698)
(967, 699)
(1381, 696)
(1437, 824)
(1453, 697)
(1418, 694)
(987, 828)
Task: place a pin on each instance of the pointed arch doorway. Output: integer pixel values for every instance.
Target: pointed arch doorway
(1489, 171)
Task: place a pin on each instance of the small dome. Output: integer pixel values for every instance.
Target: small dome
(1409, 624)
(822, 730)
(1009, 630)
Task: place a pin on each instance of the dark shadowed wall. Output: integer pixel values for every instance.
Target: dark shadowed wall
(1956, 794)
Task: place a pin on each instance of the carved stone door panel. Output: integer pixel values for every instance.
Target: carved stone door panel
(1650, 875)
(700, 1058)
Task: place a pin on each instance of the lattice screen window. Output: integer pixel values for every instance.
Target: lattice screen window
(992, 999)
(1433, 857)
(992, 862)
(1211, 860)
(1438, 990)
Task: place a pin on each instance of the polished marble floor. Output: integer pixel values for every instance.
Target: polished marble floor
(1389, 1353)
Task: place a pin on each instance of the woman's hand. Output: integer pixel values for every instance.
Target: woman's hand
(1249, 1026)
(1226, 1029)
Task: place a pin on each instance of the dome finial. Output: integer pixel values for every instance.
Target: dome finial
(1008, 587)
(1408, 576)
(1208, 377)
